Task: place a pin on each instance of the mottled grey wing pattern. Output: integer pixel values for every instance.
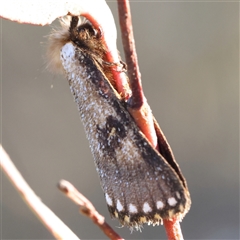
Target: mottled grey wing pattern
(139, 184)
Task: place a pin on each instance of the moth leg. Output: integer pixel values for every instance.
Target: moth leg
(121, 65)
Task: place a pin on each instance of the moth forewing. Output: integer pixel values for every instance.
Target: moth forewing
(138, 183)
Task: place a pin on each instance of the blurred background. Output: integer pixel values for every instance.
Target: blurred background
(189, 60)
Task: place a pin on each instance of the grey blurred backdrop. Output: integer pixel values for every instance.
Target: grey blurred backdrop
(189, 61)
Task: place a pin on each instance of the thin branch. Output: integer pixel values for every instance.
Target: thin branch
(137, 104)
(130, 53)
(58, 229)
(87, 208)
(173, 229)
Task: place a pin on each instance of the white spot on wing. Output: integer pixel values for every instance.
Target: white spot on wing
(132, 208)
(172, 201)
(160, 205)
(119, 206)
(146, 207)
(108, 199)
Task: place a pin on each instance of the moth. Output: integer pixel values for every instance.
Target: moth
(141, 185)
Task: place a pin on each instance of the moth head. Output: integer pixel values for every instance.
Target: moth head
(87, 38)
(78, 31)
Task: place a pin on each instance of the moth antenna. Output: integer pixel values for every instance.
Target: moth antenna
(73, 27)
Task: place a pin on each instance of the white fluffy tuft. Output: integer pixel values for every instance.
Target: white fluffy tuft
(56, 40)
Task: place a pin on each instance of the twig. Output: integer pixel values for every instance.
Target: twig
(173, 229)
(87, 208)
(137, 104)
(48, 218)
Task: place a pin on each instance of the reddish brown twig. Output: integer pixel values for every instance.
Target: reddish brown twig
(173, 229)
(137, 104)
(87, 209)
(58, 229)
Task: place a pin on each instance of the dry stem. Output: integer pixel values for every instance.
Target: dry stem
(139, 108)
(87, 208)
(48, 218)
(137, 104)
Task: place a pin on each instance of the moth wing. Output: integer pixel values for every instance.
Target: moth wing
(139, 185)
